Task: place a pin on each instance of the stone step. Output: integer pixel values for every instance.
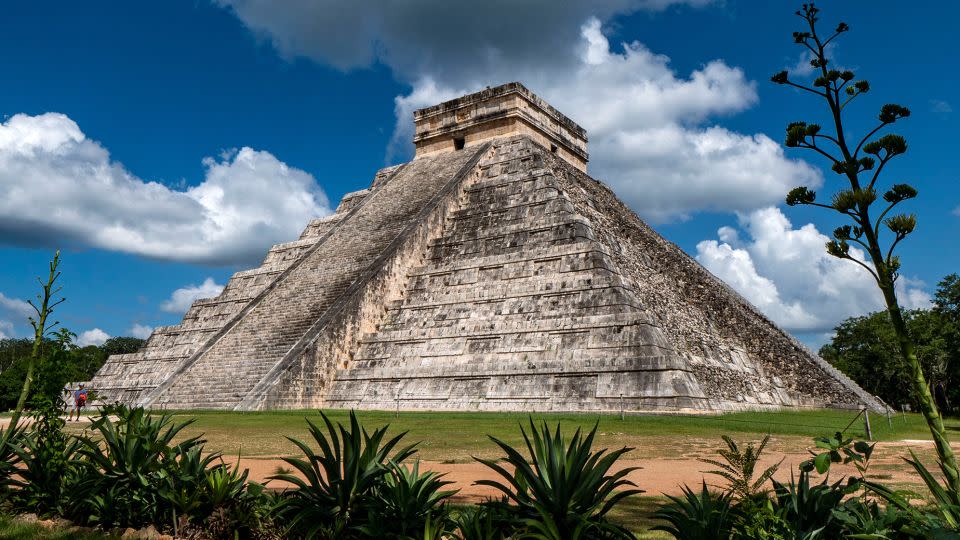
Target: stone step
(481, 329)
(265, 334)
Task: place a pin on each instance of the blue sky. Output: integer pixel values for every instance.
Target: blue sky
(190, 135)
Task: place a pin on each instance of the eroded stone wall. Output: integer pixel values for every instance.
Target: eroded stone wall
(741, 359)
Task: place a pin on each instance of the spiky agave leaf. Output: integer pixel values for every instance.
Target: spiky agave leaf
(9, 457)
(409, 501)
(338, 483)
(124, 470)
(565, 484)
(696, 516)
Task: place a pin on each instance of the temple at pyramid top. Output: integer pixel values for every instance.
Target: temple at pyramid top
(502, 111)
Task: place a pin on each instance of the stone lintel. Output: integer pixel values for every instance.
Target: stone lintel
(503, 111)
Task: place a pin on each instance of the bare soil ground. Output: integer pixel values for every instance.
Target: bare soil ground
(657, 475)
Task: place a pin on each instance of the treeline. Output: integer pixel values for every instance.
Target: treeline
(61, 362)
(866, 349)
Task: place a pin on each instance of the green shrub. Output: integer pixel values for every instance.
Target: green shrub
(337, 494)
(247, 513)
(738, 468)
(809, 508)
(46, 468)
(697, 516)
(801, 508)
(183, 488)
(407, 501)
(756, 519)
(566, 490)
(941, 519)
(867, 519)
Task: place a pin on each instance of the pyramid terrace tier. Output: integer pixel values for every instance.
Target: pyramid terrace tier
(496, 277)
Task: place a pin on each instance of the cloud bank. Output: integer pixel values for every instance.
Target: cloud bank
(651, 131)
(58, 187)
(787, 274)
(13, 312)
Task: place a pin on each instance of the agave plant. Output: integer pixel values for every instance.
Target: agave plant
(697, 516)
(566, 490)
(339, 484)
(124, 470)
(225, 484)
(809, 508)
(240, 509)
(739, 466)
(406, 501)
(184, 486)
(9, 458)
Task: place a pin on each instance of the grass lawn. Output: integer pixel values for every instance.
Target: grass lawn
(455, 437)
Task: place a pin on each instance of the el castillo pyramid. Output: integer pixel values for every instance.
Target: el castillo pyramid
(489, 273)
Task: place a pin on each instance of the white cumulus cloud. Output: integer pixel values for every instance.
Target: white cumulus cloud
(93, 336)
(652, 133)
(15, 306)
(13, 312)
(181, 298)
(141, 331)
(646, 127)
(59, 187)
(787, 274)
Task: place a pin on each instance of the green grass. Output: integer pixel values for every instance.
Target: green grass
(12, 530)
(455, 436)
(635, 514)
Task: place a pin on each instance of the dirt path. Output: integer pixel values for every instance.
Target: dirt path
(656, 476)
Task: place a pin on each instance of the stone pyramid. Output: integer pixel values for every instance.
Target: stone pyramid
(489, 273)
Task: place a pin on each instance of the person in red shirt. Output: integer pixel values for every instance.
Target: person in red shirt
(79, 402)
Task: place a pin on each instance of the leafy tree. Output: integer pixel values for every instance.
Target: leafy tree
(947, 306)
(13, 349)
(860, 163)
(59, 364)
(947, 297)
(865, 348)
